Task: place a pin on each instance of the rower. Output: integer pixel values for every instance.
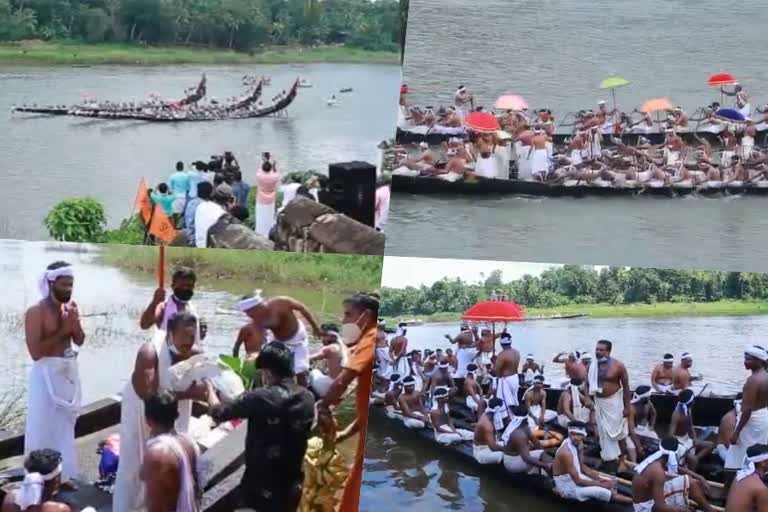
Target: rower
(441, 378)
(531, 369)
(574, 404)
(749, 492)
(411, 404)
(586, 360)
(251, 335)
(417, 369)
(382, 352)
(752, 425)
(516, 437)
(486, 346)
(574, 368)
(392, 395)
(467, 348)
(486, 450)
(653, 491)
(452, 361)
(334, 355)
(161, 309)
(661, 376)
(429, 365)
(748, 139)
(690, 451)
(726, 428)
(643, 417)
(42, 480)
(473, 392)
(507, 377)
(681, 375)
(679, 119)
(609, 386)
(442, 424)
(574, 480)
(536, 401)
(398, 349)
(730, 146)
(742, 99)
(460, 99)
(538, 155)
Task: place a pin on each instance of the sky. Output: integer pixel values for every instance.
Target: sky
(400, 272)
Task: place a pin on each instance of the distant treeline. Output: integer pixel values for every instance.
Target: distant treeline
(579, 285)
(234, 24)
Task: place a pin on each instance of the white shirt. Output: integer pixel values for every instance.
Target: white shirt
(289, 193)
(206, 215)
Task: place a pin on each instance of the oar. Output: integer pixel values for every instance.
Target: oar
(628, 483)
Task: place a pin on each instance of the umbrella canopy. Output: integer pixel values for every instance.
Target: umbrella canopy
(482, 122)
(494, 311)
(656, 105)
(730, 114)
(613, 82)
(721, 79)
(511, 102)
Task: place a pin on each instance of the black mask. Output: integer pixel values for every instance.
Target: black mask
(183, 295)
(62, 297)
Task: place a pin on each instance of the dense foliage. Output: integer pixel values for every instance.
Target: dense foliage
(77, 220)
(235, 24)
(573, 284)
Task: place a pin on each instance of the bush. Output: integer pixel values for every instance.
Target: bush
(77, 220)
(130, 232)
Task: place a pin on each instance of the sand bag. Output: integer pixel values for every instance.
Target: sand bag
(201, 367)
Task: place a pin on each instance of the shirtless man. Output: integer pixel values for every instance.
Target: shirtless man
(691, 451)
(460, 100)
(392, 395)
(574, 405)
(334, 355)
(381, 354)
(609, 385)
(574, 480)
(441, 378)
(642, 421)
(467, 348)
(748, 139)
(574, 368)
(507, 378)
(52, 327)
(161, 308)
(681, 375)
(411, 402)
(576, 147)
(424, 162)
(398, 350)
(278, 315)
(679, 118)
(530, 369)
(730, 145)
(749, 492)
(485, 448)
(538, 154)
(742, 99)
(752, 427)
(516, 438)
(451, 358)
(653, 491)
(473, 392)
(42, 468)
(726, 428)
(252, 337)
(170, 464)
(661, 376)
(486, 346)
(536, 402)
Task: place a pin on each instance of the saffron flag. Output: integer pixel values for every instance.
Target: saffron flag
(143, 202)
(161, 227)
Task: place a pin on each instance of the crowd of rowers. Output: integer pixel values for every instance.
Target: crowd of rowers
(154, 462)
(596, 406)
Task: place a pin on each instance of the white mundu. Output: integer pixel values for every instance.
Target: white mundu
(189, 470)
(567, 488)
(134, 432)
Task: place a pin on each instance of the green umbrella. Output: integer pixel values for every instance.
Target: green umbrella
(613, 83)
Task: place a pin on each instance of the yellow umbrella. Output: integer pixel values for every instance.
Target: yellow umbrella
(613, 83)
(656, 105)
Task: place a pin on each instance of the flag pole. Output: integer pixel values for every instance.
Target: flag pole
(161, 268)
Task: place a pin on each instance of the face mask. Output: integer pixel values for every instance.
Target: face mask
(602, 359)
(183, 295)
(62, 297)
(350, 332)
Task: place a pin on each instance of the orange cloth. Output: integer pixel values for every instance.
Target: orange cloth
(360, 362)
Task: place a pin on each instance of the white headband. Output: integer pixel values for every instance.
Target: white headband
(749, 466)
(756, 352)
(636, 398)
(671, 462)
(586, 356)
(251, 302)
(30, 492)
(686, 355)
(669, 359)
(577, 430)
(48, 276)
(529, 356)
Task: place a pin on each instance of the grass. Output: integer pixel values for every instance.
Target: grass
(658, 310)
(334, 272)
(69, 53)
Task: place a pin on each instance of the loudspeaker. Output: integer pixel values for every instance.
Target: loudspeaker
(352, 190)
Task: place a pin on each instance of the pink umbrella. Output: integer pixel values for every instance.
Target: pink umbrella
(511, 102)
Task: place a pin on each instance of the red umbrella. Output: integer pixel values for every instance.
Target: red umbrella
(720, 79)
(494, 311)
(482, 122)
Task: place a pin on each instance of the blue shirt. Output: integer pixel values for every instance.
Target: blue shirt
(241, 193)
(195, 177)
(164, 200)
(179, 183)
(189, 216)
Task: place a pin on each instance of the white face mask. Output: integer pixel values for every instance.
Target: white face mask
(350, 332)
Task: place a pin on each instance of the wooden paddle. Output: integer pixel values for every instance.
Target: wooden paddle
(628, 483)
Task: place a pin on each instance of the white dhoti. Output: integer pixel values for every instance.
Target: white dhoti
(484, 455)
(576, 158)
(567, 488)
(611, 424)
(684, 443)
(725, 158)
(486, 167)
(539, 163)
(672, 157)
(265, 218)
(563, 420)
(446, 436)
(507, 389)
(746, 110)
(298, 344)
(483, 360)
(523, 164)
(516, 464)
(385, 363)
(747, 146)
(675, 492)
(319, 382)
(464, 357)
(415, 423)
(179, 203)
(534, 411)
(134, 434)
(645, 431)
(401, 367)
(472, 404)
(755, 432)
(54, 400)
(664, 388)
(595, 147)
(722, 452)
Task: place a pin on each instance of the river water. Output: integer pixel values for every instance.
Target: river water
(48, 159)
(116, 298)
(555, 53)
(400, 471)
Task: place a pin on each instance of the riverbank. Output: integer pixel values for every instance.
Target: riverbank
(64, 53)
(658, 310)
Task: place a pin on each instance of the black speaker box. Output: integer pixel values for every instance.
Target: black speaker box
(352, 190)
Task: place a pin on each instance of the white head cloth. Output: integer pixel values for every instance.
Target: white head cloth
(683, 406)
(577, 430)
(586, 356)
(401, 330)
(251, 302)
(668, 359)
(48, 276)
(529, 357)
(749, 466)
(636, 398)
(30, 492)
(514, 423)
(671, 463)
(685, 355)
(756, 352)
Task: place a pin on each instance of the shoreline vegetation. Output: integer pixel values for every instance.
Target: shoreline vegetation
(602, 311)
(80, 54)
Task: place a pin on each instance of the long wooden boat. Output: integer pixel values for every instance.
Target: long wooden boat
(223, 460)
(490, 186)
